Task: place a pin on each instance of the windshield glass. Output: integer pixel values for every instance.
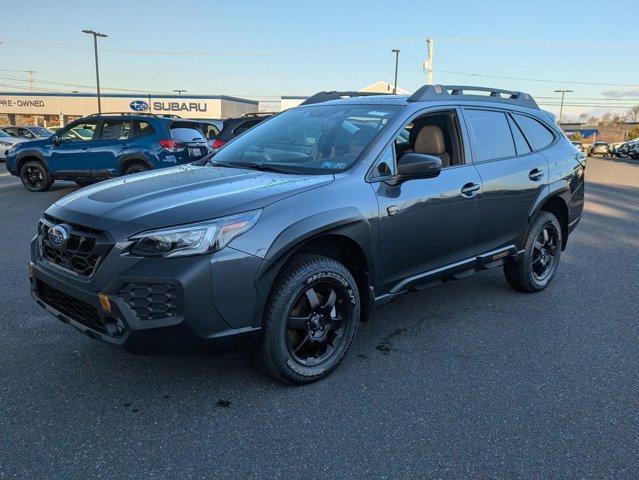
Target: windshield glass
(41, 131)
(315, 140)
(4, 134)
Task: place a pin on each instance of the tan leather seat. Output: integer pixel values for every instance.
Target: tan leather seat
(430, 141)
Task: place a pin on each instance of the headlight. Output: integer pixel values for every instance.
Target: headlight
(193, 239)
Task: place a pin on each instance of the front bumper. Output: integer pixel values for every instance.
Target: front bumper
(204, 313)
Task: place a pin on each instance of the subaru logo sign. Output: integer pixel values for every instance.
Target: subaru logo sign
(139, 105)
(58, 235)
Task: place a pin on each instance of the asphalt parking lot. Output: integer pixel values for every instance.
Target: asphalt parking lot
(470, 380)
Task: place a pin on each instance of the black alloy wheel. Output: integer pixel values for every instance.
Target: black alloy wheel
(542, 251)
(35, 177)
(544, 256)
(317, 321)
(310, 319)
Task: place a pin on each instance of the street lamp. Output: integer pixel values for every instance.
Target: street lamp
(561, 108)
(179, 91)
(396, 52)
(97, 70)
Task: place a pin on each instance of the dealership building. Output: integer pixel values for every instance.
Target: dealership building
(53, 109)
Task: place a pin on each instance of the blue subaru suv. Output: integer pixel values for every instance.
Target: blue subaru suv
(103, 146)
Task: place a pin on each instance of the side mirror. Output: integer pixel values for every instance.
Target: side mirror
(56, 140)
(418, 165)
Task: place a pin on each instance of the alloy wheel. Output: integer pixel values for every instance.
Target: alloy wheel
(317, 322)
(544, 255)
(33, 177)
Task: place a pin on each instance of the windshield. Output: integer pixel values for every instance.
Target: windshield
(41, 131)
(315, 140)
(4, 134)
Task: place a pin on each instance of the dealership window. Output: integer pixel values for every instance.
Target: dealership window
(491, 134)
(115, 129)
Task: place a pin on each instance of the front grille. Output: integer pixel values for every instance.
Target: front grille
(72, 307)
(83, 251)
(150, 301)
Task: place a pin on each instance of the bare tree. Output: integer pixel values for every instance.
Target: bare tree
(633, 114)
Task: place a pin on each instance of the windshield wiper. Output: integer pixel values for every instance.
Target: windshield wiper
(264, 167)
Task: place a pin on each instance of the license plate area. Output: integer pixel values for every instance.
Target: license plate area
(195, 151)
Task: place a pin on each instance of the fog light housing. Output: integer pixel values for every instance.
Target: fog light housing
(105, 303)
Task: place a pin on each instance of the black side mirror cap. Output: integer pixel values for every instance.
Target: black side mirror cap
(418, 165)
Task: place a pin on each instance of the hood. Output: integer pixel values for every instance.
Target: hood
(185, 194)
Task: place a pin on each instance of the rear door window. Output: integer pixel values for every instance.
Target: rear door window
(537, 134)
(491, 134)
(115, 129)
(186, 134)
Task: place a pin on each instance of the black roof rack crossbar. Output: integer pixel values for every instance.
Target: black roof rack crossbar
(438, 92)
(321, 97)
(258, 114)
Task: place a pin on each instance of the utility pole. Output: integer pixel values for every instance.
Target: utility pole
(97, 69)
(428, 63)
(30, 78)
(561, 108)
(396, 52)
(179, 91)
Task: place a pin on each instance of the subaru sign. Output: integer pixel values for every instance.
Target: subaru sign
(139, 105)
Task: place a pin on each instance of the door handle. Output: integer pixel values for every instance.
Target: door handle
(470, 189)
(536, 174)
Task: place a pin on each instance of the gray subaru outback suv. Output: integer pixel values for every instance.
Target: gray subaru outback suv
(291, 233)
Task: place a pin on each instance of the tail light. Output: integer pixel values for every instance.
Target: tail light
(171, 146)
(218, 143)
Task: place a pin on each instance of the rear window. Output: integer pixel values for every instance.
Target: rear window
(142, 129)
(186, 134)
(491, 133)
(537, 134)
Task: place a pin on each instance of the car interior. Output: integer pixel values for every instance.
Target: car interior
(435, 134)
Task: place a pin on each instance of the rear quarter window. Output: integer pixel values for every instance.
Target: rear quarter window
(537, 134)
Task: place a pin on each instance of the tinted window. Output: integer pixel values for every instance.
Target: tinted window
(491, 134)
(537, 134)
(142, 129)
(80, 132)
(520, 142)
(243, 127)
(184, 134)
(115, 129)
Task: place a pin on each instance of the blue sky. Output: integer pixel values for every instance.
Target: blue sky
(266, 49)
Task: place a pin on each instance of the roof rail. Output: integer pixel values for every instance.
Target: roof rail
(438, 92)
(321, 97)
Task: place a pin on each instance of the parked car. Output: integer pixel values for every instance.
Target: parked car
(236, 126)
(623, 151)
(612, 147)
(28, 132)
(210, 128)
(6, 143)
(599, 148)
(291, 233)
(579, 146)
(633, 150)
(119, 144)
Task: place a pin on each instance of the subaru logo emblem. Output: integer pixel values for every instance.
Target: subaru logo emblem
(139, 105)
(58, 235)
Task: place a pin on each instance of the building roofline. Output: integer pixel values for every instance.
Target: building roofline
(131, 95)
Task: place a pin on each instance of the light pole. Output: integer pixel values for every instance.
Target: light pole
(396, 52)
(97, 70)
(561, 108)
(179, 91)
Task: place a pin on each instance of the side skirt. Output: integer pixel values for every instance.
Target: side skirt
(454, 271)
